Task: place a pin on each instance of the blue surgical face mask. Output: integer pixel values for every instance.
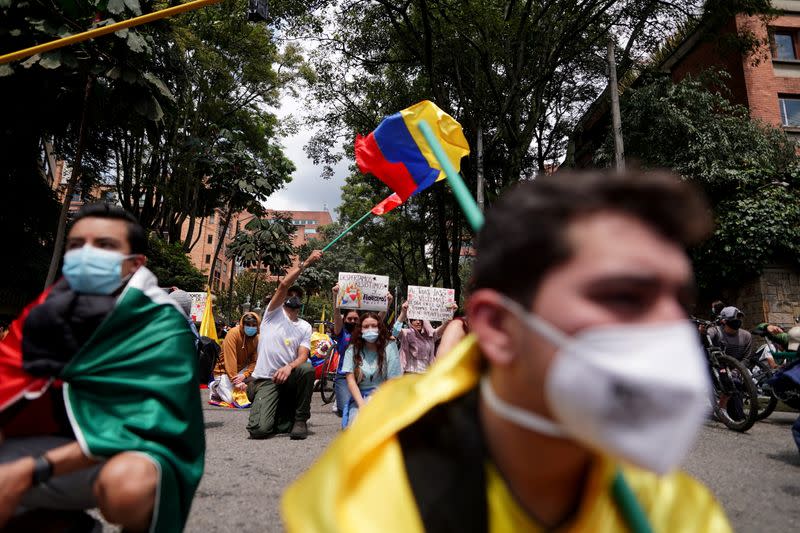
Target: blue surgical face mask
(371, 335)
(250, 330)
(91, 270)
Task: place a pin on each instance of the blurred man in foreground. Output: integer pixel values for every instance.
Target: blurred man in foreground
(574, 401)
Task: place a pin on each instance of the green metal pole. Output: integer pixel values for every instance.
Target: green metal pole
(460, 190)
(345, 232)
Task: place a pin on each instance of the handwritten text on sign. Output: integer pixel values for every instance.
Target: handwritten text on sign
(198, 305)
(430, 303)
(366, 292)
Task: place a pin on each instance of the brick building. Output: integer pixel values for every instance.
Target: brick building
(307, 224)
(768, 84)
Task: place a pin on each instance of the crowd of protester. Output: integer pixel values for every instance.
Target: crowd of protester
(557, 338)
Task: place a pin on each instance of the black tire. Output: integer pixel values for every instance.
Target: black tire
(764, 371)
(326, 390)
(736, 382)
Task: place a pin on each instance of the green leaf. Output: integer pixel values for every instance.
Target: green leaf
(6, 70)
(15, 32)
(5, 3)
(116, 6)
(160, 85)
(28, 63)
(134, 6)
(136, 42)
(51, 60)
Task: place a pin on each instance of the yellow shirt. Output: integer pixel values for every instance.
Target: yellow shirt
(362, 481)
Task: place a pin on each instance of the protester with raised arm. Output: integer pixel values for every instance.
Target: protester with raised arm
(282, 370)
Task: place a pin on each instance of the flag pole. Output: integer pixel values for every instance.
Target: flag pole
(465, 199)
(104, 30)
(345, 232)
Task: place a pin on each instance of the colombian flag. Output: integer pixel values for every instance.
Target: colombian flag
(397, 154)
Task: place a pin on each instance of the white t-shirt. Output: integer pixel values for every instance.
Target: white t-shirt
(278, 341)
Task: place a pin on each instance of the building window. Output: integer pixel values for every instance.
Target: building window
(211, 218)
(208, 258)
(309, 231)
(210, 239)
(784, 46)
(790, 111)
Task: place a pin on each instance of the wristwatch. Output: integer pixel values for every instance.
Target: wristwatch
(42, 470)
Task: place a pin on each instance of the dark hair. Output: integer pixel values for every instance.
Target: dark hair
(525, 231)
(296, 289)
(718, 306)
(346, 312)
(136, 235)
(357, 342)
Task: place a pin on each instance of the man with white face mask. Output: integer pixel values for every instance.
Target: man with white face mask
(578, 394)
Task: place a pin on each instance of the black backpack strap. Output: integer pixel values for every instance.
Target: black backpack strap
(445, 460)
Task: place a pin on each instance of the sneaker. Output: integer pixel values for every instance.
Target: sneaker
(299, 430)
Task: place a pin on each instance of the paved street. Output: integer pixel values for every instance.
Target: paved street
(755, 475)
(244, 478)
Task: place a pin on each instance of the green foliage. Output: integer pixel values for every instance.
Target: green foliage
(243, 293)
(172, 267)
(749, 171)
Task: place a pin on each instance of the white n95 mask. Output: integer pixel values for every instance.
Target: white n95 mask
(637, 392)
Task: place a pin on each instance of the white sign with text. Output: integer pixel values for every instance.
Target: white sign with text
(365, 292)
(430, 303)
(198, 305)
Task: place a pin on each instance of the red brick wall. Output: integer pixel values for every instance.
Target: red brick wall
(709, 52)
(763, 86)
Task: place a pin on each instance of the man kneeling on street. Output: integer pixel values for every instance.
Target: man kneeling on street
(574, 400)
(283, 379)
(99, 406)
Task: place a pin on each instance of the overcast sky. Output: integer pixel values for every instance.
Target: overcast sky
(307, 190)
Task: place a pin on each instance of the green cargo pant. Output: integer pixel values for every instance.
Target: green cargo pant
(276, 407)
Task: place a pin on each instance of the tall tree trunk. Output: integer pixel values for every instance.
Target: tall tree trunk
(455, 254)
(444, 249)
(55, 260)
(230, 289)
(220, 239)
(253, 292)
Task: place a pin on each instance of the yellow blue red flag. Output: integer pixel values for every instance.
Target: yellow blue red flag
(398, 155)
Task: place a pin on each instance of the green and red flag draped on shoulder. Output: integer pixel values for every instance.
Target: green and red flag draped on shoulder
(397, 153)
(131, 387)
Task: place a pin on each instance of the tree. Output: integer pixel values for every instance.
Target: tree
(232, 303)
(520, 73)
(61, 95)
(172, 267)
(265, 243)
(749, 171)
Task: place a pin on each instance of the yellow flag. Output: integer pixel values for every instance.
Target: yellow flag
(321, 327)
(207, 327)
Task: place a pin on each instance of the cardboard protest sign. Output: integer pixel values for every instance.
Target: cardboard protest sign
(365, 292)
(430, 303)
(198, 305)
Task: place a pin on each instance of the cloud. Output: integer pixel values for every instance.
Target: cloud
(307, 191)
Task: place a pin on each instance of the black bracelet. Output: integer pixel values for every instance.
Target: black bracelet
(42, 470)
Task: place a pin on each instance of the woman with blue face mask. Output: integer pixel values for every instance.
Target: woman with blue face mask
(239, 354)
(370, 360)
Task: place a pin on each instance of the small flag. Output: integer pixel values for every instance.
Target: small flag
(207, 327)
(389, 203)
(321, 328)
(398, 155)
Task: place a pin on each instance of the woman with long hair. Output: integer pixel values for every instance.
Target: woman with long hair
(371, 359)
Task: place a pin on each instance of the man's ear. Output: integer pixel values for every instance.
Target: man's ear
(491, 321)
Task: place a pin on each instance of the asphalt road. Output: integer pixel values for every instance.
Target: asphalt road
(244, 479)
(755, 475)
